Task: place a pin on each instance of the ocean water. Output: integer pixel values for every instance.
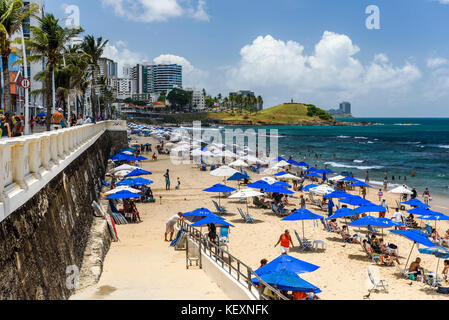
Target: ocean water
(398, 146)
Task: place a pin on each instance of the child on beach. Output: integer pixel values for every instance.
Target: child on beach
(380, 194)
(178, 185)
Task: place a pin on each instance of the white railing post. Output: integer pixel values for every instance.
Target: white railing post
(20, 163)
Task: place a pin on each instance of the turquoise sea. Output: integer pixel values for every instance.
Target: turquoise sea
(398, 146)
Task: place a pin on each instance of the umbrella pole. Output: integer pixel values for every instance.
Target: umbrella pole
(409, 255)
(303, 234)
(436, 273)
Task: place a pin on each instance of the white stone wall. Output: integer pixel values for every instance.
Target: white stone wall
(28, 163)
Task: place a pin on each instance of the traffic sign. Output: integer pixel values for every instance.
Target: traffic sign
(25, 83)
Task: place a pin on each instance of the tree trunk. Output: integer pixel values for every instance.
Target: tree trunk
(48, 96)
(7, 85)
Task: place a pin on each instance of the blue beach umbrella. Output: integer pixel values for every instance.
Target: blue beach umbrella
(312, 169)
(369, 209)
(309, 186)
(360, 184)
(337, 194)
(375, 222)
(301, 215)
(417, 236)
(290, 263)
(415, 203)
(219, 188)
(342, 213)
(279, 159)
(302, 164)
(421, 211)
(198, 214)
(282, 173)
(355, 201)
(260, 184)
(140, 158)
(439, 252)
(281, 184)
(291, 161)
(137, 182)
(288, 281)
(434, 217)
(124, 195)
(238, 176)
(218, 221)
(280, 190)
(119, 157)
(137, 172)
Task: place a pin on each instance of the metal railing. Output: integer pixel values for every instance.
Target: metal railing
(232, 265)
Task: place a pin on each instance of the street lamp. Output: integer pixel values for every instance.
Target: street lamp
(25, 74)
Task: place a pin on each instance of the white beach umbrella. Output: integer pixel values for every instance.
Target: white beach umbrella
(322, 189)
(245, 194)
(124, 167)
(238, 163)
(269, 180)
(223, 171)
(336, 178)
(128, 153)
(401, 190)
(289, 176)
(123, 188)
(122, 173)
(281, 164)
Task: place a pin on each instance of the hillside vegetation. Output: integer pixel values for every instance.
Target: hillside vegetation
(289, 113)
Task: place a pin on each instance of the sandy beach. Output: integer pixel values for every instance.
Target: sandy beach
(142, 266)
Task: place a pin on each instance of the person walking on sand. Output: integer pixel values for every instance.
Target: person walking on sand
(380, 194)
(167, 180)
(426, 196)
(302, 201)
(170, 225)
(366, 177)
(286, 242)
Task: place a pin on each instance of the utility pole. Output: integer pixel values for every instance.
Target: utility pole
(25, 74)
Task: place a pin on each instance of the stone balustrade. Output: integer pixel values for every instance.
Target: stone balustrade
(28, 163)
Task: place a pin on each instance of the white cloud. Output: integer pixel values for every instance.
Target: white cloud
(332, 72)
(437, 62)
(443, 1)
(156, 10)
(120, 53)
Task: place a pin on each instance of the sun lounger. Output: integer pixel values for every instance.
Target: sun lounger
(245, 217)
(220, 210)
(304, 244)
(223, 238)
(377, 282)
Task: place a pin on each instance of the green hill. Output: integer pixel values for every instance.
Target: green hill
(284, 114)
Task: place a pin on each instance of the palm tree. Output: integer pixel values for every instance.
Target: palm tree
(259, 102)
(93, 50)
(12, 15)
(47, 43)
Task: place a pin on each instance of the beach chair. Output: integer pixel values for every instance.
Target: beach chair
(372, 230)
(326, 225)
(274, 209)
(220, 210)
(259, 204)
(429, 230)
(116, 215)
(245, 217)
(376, 281)
(304, 244)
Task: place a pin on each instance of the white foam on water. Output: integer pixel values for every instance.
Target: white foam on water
(341, 165)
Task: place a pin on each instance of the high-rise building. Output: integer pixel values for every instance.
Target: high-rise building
(345, 107)
(198, 99)
(165, 77)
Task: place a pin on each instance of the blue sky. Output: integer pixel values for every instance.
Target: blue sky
(314, 51)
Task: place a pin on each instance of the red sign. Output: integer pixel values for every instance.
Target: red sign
(25, 83)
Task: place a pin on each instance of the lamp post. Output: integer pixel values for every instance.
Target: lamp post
(25, 73)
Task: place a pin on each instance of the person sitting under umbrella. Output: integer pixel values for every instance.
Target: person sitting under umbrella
(411, 221)
(347, 237)
(445, 269)
(435, 236)
(334, 226)
(212, 234)
(134, 211)
(416, 268)
(387, 254)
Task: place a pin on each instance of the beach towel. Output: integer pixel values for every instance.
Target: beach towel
(178, 235)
